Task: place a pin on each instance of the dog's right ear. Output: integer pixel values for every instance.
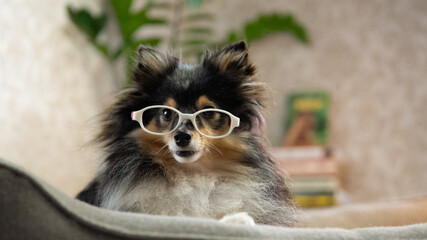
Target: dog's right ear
(152, 65)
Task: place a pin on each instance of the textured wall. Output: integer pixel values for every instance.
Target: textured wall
(371, 55)
(52, 84)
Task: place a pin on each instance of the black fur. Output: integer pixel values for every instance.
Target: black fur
(90, 194)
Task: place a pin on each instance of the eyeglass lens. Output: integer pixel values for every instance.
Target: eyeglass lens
(160, 120)
(213, 123)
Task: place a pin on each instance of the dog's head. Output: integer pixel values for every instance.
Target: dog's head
(186, 112)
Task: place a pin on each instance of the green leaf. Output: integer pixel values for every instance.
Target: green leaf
(232, 37)
(116, 53)
(102, 48)
(91, 25)
(198, 30)
(275, 23)
(143, 19)
(122, 11)
(130, 22)
(199, 17)
(148, 41)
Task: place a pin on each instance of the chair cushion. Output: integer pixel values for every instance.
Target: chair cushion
(32, 209)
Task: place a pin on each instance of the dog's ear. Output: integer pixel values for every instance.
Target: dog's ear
(152, 65)
(233, 62)
(232, 58)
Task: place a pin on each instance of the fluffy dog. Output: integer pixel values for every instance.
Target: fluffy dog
(186, 140)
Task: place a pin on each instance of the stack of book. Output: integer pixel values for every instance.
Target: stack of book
(314, 176)
(313, 172)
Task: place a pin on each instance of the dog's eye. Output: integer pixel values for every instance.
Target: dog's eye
(208, 114)
(167, 115)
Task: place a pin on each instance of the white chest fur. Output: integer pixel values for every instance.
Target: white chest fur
(199, 195)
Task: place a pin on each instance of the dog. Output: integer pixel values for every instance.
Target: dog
(187, 140)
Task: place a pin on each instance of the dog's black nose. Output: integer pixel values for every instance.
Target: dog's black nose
(182, 139)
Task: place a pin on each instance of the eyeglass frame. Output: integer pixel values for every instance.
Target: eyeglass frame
(137, 116)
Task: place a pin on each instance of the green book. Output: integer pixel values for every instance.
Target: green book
(307, 119)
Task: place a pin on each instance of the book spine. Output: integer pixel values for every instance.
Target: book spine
(314, 184)
(320, 200)
(310, 167)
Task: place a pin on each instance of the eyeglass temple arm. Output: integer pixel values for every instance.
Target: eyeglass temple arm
(236, 121)
(135, 115)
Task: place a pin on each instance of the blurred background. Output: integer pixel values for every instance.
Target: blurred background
(62, 62)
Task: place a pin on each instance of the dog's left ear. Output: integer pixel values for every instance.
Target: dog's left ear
(233, 61)
(230, 58)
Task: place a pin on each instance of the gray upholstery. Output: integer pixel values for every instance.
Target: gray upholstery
(32, 209)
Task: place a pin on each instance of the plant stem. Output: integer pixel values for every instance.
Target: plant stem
(178, 9)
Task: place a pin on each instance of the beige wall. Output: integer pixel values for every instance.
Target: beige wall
(371, 56)
(52, 85)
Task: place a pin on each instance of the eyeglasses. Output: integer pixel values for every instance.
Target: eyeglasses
(210, 122)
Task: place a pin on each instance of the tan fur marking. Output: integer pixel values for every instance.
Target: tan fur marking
(203, 102)
(152, 59)
(224, 59)
(223, 154)
(171, 103)
(154, 144)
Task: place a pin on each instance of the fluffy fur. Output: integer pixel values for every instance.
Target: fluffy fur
(143, 173)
